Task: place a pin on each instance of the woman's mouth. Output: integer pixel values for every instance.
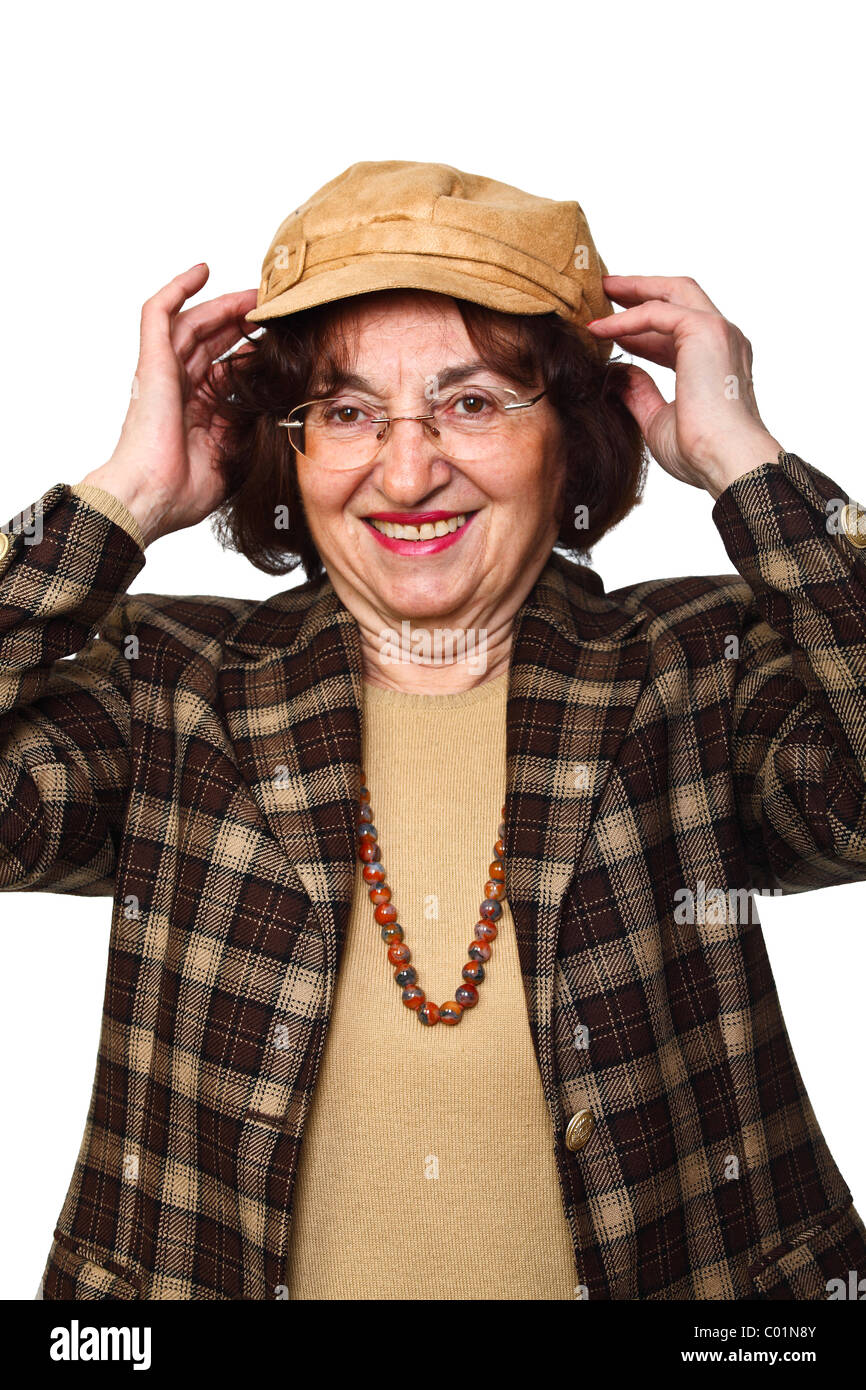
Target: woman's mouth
(425, 533)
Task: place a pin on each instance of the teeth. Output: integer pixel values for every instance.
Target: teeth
(426, 532)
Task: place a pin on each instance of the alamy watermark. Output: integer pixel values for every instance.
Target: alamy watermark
(711, 905)
(438, 646)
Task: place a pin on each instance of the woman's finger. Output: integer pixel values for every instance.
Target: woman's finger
(202, 409)
(213, 346)
(643, 398)
(652, 316)
(158, 311)
(196, 324)
(675, 289)
(655, 347)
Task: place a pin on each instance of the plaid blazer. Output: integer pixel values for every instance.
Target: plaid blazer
(671, 747)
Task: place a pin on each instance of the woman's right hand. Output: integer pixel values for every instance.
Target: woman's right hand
(165, 467)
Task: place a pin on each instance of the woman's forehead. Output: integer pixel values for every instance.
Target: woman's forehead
(388, 330)
(377, 352)
(390, 338)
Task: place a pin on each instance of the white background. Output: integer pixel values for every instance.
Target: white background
(722, 142)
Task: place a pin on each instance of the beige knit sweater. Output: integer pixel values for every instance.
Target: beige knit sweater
(427, 1167)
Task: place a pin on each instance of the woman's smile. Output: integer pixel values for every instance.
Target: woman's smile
(419, 533)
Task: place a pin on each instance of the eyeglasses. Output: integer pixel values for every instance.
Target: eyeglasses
(345, 432)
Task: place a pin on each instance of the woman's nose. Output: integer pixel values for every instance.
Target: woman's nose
(409, 459)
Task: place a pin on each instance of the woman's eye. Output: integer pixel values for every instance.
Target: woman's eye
(475, 403)
(344, 413)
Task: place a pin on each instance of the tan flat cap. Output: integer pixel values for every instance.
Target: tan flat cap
(398, 224)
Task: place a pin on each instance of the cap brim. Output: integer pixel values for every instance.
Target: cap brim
(419, 273)
(403, 272)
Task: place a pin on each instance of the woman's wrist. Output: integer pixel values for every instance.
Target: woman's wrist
(145, 508)
(744, 458)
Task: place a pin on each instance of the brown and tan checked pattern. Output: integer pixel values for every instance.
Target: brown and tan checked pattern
(199, 761)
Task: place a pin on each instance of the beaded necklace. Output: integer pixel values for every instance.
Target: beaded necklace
(399, 955)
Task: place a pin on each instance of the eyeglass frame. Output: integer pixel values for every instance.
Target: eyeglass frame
(388, 420)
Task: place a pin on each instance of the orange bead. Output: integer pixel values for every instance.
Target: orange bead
(378, 894)
(499, 849)
(497, 871)
(494, 890)
(385, 913)
(399, 953)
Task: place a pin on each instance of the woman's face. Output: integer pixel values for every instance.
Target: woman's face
(399, 342)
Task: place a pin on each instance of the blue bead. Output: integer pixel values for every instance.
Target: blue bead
(491, 909)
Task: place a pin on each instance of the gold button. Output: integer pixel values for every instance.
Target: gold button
(5, 542)
(854, 523)
(579, 1130)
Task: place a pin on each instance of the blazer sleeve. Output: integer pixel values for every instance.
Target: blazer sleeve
(64, 694)
(799, 698)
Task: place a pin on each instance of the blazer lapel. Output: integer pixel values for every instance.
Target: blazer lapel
(291, 687)
(578, 664)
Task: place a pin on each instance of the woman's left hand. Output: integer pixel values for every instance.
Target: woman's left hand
(712, 432)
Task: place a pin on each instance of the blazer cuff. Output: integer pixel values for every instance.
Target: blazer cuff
(783, 524)
(61, 557)
(112, 507)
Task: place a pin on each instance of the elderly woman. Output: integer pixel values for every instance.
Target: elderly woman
(434, 966)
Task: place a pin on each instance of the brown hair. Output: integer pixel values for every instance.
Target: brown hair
(296, 357)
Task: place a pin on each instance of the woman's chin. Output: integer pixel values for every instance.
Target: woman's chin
(422, 600)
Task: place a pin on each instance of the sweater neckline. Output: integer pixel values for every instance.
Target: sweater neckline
(491, 690)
